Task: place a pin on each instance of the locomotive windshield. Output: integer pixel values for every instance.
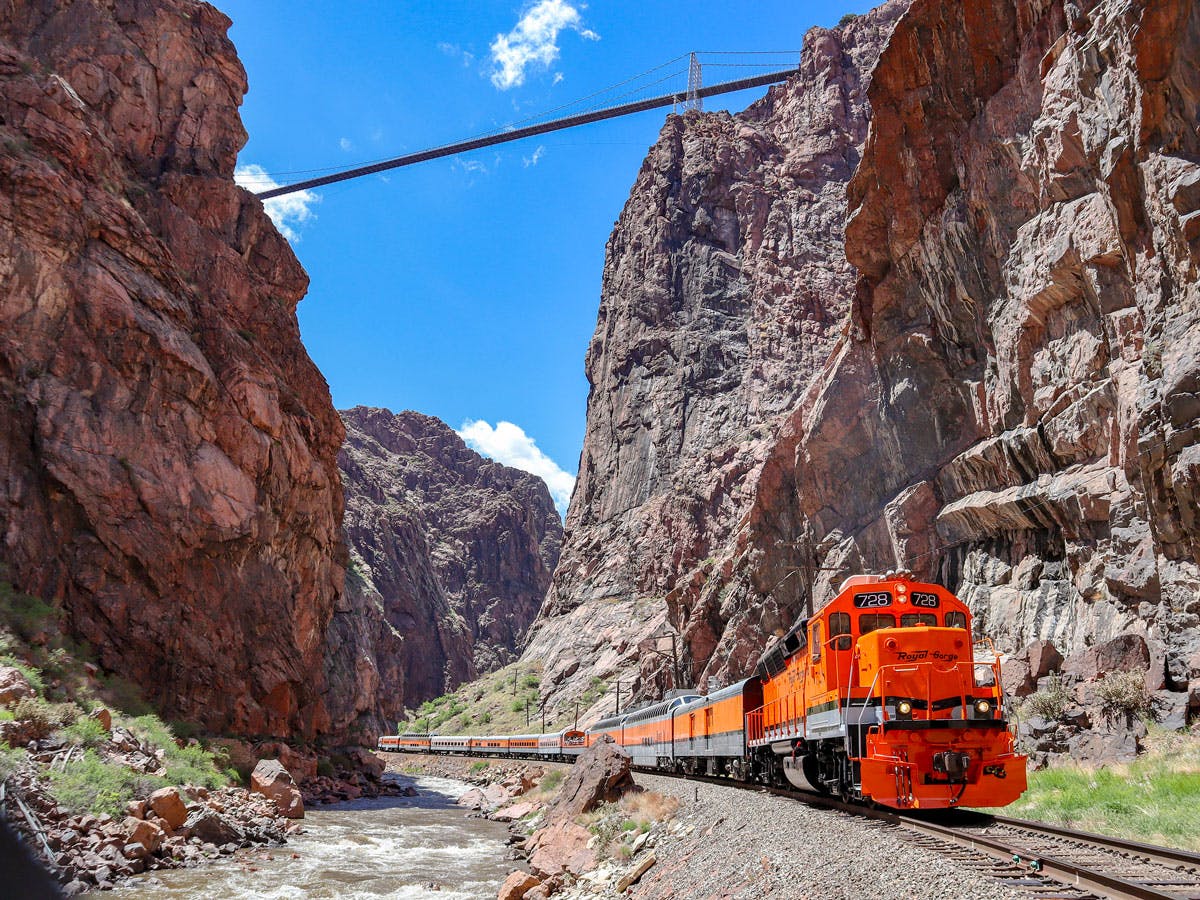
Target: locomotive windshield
(911, 619)
(869, 622)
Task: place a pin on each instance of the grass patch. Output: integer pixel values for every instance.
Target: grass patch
(552, 779)
(477, 767)
(92, 785)
(1155, 798)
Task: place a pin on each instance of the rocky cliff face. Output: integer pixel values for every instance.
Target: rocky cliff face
(1007, 403)
(168, 460)
(452, 552)
(725, 289)
(1023, 369)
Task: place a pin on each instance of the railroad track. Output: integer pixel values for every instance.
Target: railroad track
(1046, 861)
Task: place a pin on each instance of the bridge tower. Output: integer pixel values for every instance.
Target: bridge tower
(694, 100)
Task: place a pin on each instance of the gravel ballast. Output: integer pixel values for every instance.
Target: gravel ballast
(734, 843)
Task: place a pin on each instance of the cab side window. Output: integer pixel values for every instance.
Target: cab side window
(869, 622)
(839, 627)
(816, 641)
(956, 620)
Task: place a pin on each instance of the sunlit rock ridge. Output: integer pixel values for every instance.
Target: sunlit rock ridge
(998, 390)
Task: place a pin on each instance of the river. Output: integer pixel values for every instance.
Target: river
(393, 847)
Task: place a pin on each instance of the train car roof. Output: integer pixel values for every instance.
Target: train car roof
(731, 690)
(609, 721)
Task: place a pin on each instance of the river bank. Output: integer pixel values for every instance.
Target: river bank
(397, 847)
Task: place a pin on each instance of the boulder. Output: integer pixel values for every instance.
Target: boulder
(211, 827)
(1044, 658)
(168, 805)
(14, 685)
(601, 774)
(1171, 709)
(517, 885)
(561, 847)
(301, 765)
(148, 834)
(515, 811)
(1126, 653)
(273, 781)
(1015, 675)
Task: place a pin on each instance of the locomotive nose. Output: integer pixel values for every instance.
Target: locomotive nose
(952, 763)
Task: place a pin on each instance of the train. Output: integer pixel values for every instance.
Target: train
(882, 697)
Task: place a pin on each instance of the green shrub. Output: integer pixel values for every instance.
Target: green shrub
(1124, 692)
(531, 681)
(43, 716)
(847, 19)
(1049, 703)
(85, 731)
(193, 765)
(551, 780)
(484, 718)
(477, 767)
(150, 729)
(325, 768)
(89, 784)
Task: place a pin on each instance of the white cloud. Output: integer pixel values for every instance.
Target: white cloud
(289, 212)
(534, 41)
(509, 444)
(346, 144)
(536, 158)
(558, 77)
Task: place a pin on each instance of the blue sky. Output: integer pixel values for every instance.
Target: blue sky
(467, 288)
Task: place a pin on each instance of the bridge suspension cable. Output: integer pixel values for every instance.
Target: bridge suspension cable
(690, 98)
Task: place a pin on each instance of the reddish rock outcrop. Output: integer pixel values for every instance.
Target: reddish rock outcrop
(1008, 405)
(274, 782)
(168, 458)
(725, 289)
(451, 554)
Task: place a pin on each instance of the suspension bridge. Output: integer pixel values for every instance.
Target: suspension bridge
(600, 106)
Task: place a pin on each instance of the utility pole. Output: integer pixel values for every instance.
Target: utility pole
(576, 713)
(618, 682)
(651, 646)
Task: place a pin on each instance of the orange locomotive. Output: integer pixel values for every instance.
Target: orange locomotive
(879, 697)
(876, 697)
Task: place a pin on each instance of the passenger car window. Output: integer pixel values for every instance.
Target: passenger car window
(839, 627)
(910, 619)
(956, 620)
(869, 622)
(816, 641)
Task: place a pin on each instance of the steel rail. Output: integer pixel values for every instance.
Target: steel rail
(517, 134)
(1169, 856)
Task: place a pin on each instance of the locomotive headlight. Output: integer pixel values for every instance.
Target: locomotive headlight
(904, 709)
(983, 707)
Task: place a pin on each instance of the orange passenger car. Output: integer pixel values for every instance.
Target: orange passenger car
(880, 696)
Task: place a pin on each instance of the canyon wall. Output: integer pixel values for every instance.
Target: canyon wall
(1003, 398)
(725, 289)
(168, 462)
(451, 554)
